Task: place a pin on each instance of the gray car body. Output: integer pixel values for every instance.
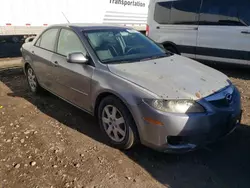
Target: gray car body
(173, 77)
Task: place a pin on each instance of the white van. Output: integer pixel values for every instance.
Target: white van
(210, 30)
(28, 17)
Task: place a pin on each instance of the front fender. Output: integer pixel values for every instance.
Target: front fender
(103, 81)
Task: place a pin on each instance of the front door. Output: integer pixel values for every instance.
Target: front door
(224, 32)
(72, 80)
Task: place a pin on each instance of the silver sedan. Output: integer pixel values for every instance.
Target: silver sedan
(139, 92)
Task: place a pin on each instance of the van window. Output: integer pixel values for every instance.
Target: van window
(185, 12)
(214, 12)
(162, 12)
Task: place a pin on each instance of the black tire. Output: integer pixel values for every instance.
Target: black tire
(131, 135)
(36, 90)
(171, 49)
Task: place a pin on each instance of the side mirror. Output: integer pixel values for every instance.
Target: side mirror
(77, 57)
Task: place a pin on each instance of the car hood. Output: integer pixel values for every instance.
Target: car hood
(174, 77)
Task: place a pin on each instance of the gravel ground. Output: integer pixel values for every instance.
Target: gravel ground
(45, 142)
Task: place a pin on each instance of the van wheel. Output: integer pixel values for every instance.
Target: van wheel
(117, 123)
(171, 49)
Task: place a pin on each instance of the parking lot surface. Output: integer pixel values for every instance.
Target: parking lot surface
(45, 142)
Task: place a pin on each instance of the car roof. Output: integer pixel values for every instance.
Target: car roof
(90, 26)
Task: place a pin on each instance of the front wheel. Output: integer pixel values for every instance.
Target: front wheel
(117, 123)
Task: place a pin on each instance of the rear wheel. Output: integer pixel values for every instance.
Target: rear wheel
(32, 80)
(117, 123)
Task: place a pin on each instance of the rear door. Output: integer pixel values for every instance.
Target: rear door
(224, 33)
(175, 22)
(42, 52)
(72, 80)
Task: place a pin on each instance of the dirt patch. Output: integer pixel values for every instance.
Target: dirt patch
(45, 142)
(10, 63)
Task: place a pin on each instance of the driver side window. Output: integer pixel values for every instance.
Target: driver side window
(69, 42)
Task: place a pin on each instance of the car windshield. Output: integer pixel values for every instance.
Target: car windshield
(123, 45)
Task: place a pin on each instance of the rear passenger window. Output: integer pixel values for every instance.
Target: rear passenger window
(48, 39)
(162, 12)
(185, 12)
(214, 12)
(38, 42)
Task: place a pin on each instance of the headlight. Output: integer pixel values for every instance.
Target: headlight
(176, 106)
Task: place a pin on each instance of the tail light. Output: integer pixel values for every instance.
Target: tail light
(147, 30)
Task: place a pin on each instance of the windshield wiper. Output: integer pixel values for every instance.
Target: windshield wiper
(110, 61)
(118, 60)
(154, 57)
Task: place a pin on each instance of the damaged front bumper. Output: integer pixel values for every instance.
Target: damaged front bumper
(186, 132)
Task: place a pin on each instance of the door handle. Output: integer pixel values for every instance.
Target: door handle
(245, 32)
(157, 27)
(32, 52)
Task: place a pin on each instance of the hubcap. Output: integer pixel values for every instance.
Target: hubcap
(31, 79)
(113, 123)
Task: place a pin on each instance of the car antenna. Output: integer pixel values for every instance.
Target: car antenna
(65, 17)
